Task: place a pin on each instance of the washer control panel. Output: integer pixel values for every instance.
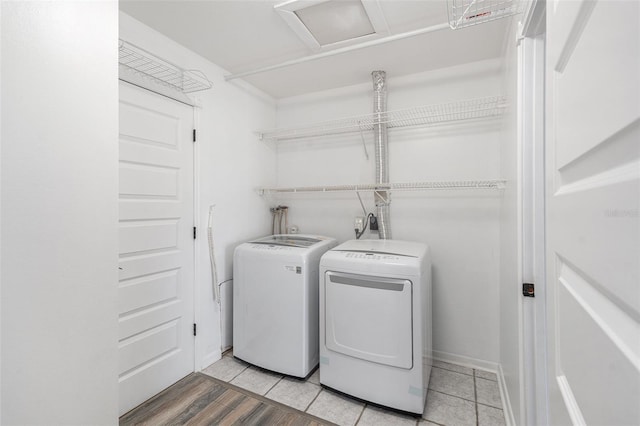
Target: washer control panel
(270, 247)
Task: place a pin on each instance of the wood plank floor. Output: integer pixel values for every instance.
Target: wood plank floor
(202, 400)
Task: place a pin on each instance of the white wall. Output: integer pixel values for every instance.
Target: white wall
(59, 213)
(231, 164)
(511, 343)
(462, 228)
(0, 215)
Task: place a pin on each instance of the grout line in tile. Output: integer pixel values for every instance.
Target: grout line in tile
(475, 397)
(274, 385)
(361, 412)
(314, 399)
(430, 421)
(484, 378)
(447, 369)
(491, 406)
(487, 380)
(454, 396)
(242, 371)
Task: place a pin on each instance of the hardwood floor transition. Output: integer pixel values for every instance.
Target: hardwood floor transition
(199, 399)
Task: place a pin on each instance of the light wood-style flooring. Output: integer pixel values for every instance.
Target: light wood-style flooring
(202, 400)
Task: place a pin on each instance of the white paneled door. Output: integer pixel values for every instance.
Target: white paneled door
(593, 219)
(156, 346)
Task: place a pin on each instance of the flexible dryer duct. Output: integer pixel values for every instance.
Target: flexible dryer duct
(382, 198)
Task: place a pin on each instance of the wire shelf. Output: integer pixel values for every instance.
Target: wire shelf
(466, 13)
(418, 116)
(496, 184)
(142, 62)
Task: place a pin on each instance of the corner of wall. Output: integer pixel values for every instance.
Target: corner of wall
(210, 358)
(504, 395)
(1, 138)
(510, 251)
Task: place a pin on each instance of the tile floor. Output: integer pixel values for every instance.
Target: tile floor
(457, 396)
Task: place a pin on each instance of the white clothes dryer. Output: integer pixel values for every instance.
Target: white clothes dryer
(375, 322)
(275, 302)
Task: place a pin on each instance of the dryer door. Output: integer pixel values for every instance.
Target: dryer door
(369, 317)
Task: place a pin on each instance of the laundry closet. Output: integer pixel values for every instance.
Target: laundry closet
(511, 152)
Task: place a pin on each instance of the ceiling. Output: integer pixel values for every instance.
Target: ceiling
(242, 35)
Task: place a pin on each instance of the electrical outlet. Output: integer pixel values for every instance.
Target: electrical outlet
(373, 223)
(358, 224)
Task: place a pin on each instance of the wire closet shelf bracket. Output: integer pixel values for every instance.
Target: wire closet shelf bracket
(427, 115)
(466, 13)
(138, 61)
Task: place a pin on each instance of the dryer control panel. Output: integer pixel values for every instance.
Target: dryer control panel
(371, 256)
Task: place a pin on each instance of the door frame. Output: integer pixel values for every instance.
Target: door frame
(198, 349)
(531, 141)
(197, 357)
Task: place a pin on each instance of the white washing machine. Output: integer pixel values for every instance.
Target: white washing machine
(375, 322)
(275, 302)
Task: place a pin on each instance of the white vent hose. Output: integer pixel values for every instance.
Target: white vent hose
(212, 257)
(382, 197)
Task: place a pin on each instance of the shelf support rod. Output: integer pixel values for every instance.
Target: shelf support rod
(346, 49)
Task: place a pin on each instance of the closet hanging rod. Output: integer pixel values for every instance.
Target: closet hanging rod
(467, 109)
(498, 184)
(346, 49)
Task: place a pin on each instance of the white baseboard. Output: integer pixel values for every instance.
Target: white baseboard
(480, 364)
(570, 401)
(210, 358)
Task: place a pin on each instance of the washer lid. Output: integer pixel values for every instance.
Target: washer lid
(395, 247)
(288, 241)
